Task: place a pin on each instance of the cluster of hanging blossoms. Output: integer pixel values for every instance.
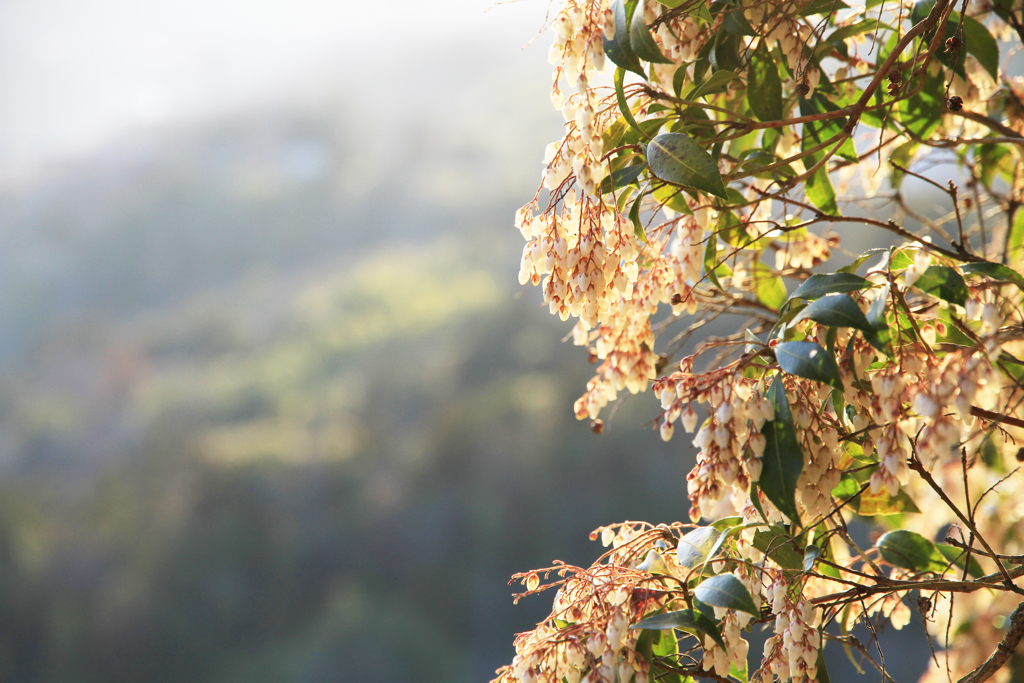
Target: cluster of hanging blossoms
(716, 154)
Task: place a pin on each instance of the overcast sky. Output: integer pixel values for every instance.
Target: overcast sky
(78, 72)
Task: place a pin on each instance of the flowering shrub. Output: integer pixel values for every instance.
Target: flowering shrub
(704, 175)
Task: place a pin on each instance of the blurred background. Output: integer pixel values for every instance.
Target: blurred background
(272, 404)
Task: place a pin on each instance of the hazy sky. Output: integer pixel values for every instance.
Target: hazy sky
(78, 72)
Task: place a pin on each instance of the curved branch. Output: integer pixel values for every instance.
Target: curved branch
(1003, 651)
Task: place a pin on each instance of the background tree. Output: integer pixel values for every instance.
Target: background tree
(708, 176)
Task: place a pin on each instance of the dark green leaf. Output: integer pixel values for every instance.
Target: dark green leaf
(979, 42)
(816, 133)
(922, 112)
(817, 286)
(728, 592)
(677, 159)
(685, 619)
(808, 360)
(945, 283)
(995, 271)
(695, 546)
(811, 553)
(679, 79)
(716, 83)
(776, 543)
(641, 40)
(725, 55)
(840, 310)
(618, 49)
(764, 87)
(735, 23)
(622, 177)
(782, 460)
(822, 669)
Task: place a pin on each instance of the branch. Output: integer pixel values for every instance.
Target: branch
(1003, 651)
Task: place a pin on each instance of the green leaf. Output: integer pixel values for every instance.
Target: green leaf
(822, 669)
(711, 266)
(620, 98)
(994, 271)
(901, 156)
(641, 40)
(728, 592)
(980, 43)
(957, 557)
(819, 191)
(734, 22)
(945, 283)
(676, 158)
(622, 177)
(716, 83)
(618, 49)
(817, 286)
(695, 546)
(808, 360)
(672, 197)
(634, 217)
(764, 87)
(911, 550)
(840, 310)
(768, 286)
(725, 54)
(776, 544)
(922, 112)
(782, 460)
(881, 503)
(685, 619)
(822, 7)
(811, 553)
(818, 132)
(741, 675)
(1015, 244)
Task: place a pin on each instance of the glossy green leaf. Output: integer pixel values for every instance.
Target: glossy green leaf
(840, 310)
(622, 177)
(685, 619)
(817, 286)
(922, 112)
(945, 283)
(911, 550)
(734, 22)
(764, 87)
(641, 40)
(695, 546)
(809, 360)
(994, 271)
(715, 83)
(676, 158)
(728, 592)
(618, 49)
(782, 460)
(775, 543)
